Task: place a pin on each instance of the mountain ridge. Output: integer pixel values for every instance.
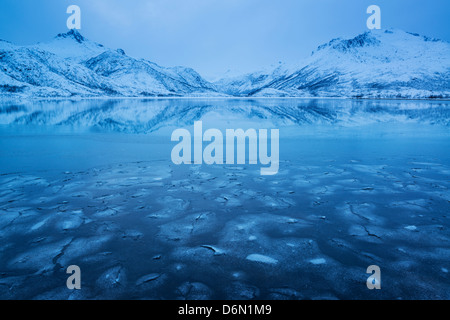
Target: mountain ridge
(375, 64)
(70, 65)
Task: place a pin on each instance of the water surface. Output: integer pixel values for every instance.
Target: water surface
(91, 183)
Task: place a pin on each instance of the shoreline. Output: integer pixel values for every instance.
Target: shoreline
(29, 99)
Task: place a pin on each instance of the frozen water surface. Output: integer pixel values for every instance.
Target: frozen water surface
(91, 183)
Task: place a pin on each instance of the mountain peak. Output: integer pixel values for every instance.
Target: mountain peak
(363, 40)
(376, 38)
(72, 34)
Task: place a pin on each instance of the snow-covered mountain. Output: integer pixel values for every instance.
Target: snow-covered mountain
(375, 64)
(71, 65)
(139, 77)
(238, 85)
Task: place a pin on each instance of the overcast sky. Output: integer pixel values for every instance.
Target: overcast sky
(213, 36)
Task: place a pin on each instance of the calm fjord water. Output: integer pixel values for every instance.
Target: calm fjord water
(91, 183)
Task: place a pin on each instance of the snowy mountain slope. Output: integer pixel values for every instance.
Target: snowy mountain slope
(146, 78)
(247, 83)
(71, 65)
(71, 45)
(376, 64)
(37, 72)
